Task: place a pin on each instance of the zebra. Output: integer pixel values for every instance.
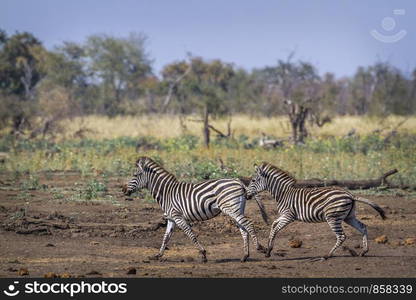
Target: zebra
(311, 205)
(184, 202)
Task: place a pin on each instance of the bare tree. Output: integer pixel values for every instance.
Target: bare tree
(173, 81)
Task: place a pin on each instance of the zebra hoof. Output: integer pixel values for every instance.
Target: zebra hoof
(204, 256)
(362, 253)
(244, 258)
(154, 257)
(267, 252)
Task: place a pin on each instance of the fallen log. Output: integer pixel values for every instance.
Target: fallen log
(349, 184)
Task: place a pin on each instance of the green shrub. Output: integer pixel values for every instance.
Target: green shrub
(94, 189)
(31, 183)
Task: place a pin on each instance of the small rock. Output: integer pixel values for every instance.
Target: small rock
(50, 275)
(93, 272)
(95, 243)
(382, 239)
(357, 269)
(146, 261)
(11, 269)
(131, 270)
(295, 243)
(410, 241)
(65, 275)
(49, 245)
(396, 243)
(23, 272)
(189, 259)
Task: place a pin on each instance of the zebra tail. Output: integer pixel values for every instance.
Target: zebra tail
(259, 203)
(373, 205)
(262, 209)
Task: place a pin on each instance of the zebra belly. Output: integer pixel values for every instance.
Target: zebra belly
(205, 211)
(319, 218)
(309, 215)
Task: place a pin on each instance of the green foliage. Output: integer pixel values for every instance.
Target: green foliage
(93, 190)
(113, 75)
(31, 183)
(369, 143)
(199, 168)
(119, 64)
(17, 56)
(182, 143)
(57, 194)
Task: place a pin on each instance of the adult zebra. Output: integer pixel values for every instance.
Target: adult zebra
(184, 202)
(330, 204)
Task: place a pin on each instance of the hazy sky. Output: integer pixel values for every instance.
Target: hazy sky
(332, 34)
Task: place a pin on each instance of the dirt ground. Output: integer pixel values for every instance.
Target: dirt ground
(44, 233)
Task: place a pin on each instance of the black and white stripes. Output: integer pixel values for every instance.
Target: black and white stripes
(184, 202)
(329, 204)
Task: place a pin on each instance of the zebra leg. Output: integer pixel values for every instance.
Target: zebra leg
(182, 224)
(247, 225)
(336, 226)
(277, 225)
(244, 223)
(168, 234)
(352, 221)
(244, 234)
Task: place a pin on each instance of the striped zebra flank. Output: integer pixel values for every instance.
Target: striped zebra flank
(184, 202)
(333, 205)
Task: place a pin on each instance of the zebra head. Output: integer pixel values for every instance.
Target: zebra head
(258, 182)
(138, 181)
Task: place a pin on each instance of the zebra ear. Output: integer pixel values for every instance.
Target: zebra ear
(139, 165)
(256, 167)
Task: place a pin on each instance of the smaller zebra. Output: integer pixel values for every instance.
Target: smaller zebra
(311, 205)
(184, 202)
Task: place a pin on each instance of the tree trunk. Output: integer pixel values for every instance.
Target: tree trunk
(205, 130)
(294, 131)
(303, 133)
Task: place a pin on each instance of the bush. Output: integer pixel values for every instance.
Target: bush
(94, 189)
(182, 143)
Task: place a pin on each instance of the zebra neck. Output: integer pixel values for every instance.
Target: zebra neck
(159, 185)
(278, 188)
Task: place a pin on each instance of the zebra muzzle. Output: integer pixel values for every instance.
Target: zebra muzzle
(125, 190)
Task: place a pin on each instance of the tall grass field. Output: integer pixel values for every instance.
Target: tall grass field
(112, 145)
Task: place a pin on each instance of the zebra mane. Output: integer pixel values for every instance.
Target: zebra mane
(267, 170)
(149, 165)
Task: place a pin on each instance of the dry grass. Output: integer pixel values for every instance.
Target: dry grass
(164, 126)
